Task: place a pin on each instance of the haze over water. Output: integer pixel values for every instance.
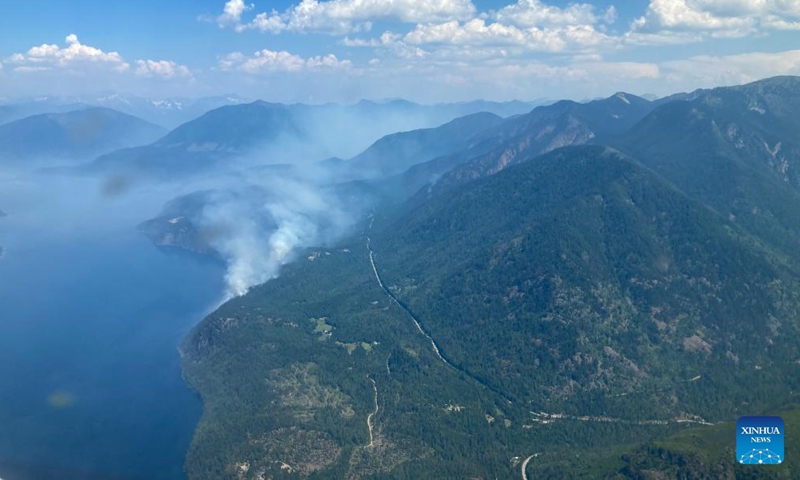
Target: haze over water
(91, 315)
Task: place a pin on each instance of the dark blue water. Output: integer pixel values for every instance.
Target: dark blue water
(91, 315)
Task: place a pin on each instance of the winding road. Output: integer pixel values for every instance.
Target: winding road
(525, 465)
(369, 417)
(387, 292)
(421, 330)
(540, 417)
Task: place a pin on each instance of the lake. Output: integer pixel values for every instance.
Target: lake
(91, 315)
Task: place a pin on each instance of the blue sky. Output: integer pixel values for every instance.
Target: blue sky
(424, 50)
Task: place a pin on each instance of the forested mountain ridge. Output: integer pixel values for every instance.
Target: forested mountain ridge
(236, 128)
(575, 298)
(200, 144)
(751, 123)
(585, 246)
(396, 153)
(702, 452)
(733, 148)
(542, 130)
(511, 141)
(264, 133)
(591, 276)
(393, 168)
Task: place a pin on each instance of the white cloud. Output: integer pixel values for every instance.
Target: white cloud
(578, 78)
(502, 70)
(708, 70)
(231, 60)
(610, 15)
(477, 32)
(389, 41)
(161, 68)
(232, 13)
(532, 13)
(488, 73)
(672, 21)
(473, 32)
(531, 25)
(499, 73)
(273, 61)
(29, 69)
(345, 16)
(74, 56)
(616, 71)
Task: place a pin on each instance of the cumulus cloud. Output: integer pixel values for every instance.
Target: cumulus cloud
(530, 24)
(344, 16)
(283, 61)
(232, 14)
(671, 21)
(74, 55)
(390, 41)
(161, 69)
(531, 13)
(452, 42)
(495, 74)
(478, 32)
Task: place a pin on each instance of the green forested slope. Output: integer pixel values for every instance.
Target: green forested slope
(733, 148)
(582, 280)
(696, 453)
(581, 299)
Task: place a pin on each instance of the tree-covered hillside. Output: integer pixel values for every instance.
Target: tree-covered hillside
(696, 453)
(580, 280)
(733, 148)
(576, 299)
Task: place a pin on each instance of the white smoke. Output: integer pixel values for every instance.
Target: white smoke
(258, 229)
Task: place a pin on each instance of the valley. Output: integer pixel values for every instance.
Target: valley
(577, 289)
(400, 240)
(569, 293)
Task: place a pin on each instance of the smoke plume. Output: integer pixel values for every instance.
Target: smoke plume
(259, 228)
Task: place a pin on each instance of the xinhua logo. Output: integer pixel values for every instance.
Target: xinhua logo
(759, 441)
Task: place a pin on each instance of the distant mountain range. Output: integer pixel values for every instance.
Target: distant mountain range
(734, 148)
(542, 130)
(398, 152)
(220, 135)
(584, 279)
(399, 165)
(77, 135)
(16, 111)
(168, 113)
(172, 112)
(263, 132)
